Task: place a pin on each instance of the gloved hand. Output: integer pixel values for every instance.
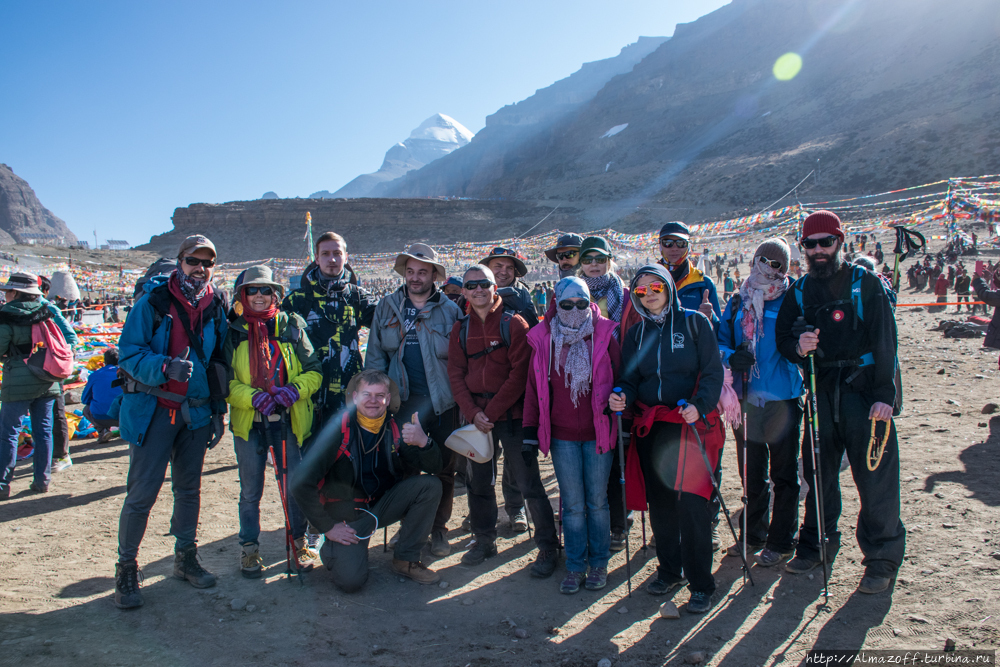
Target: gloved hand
(179, 368)
(800, 327)
(741, 360)
(285, 396)
(264, 403)
(529, 453)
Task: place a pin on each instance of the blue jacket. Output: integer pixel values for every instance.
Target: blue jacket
(774, 378)
(99, 394)
(61, 322)
(143, 352)
(691, 290)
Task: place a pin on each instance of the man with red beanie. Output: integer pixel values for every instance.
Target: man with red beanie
(841, 314)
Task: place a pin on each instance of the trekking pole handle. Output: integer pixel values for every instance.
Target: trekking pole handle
(618, 390)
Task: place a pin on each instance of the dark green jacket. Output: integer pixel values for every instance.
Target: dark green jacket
(19, 383)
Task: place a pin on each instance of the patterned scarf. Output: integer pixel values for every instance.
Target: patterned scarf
(609, 285)
(333, 287)
(263, 363)
(763, 284)
(570, 328)
(192, 289)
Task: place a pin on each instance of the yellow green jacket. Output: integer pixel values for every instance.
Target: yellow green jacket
(303, 366)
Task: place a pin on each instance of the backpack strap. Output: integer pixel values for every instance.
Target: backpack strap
(463, 335)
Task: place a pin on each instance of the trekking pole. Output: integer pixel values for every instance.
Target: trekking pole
(621, 482)
(746, 502)
(817, 476)
(715, 486)
(642, 517)
(282, 481)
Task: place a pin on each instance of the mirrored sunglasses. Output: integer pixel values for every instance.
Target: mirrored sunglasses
(670, 243)
(655, 288)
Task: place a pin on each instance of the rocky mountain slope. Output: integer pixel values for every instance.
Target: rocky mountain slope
(891, 93)
(436, 137)
(23, 219)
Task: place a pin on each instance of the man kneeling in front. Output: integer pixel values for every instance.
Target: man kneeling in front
(359, 476)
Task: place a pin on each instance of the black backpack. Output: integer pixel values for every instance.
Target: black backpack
(511, 303)
(161, 267)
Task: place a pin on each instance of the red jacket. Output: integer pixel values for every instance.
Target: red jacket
(503, 372)
(941, 285)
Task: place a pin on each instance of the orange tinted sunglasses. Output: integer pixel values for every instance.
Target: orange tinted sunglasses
(655, 288)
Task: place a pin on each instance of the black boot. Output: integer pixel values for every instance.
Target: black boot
(186, 566)
(127, 580)
(545, 564)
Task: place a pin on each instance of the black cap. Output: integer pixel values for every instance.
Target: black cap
(676, 229)
(565, 241)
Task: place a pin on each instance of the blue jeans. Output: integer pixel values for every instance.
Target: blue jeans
(41, 435)
(252, 468)
(583, 488)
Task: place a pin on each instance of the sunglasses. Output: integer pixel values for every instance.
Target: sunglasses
(773, 263)
(569, 254)
(594, 259)
(654, 288)
(570, 305)
(670, 243)
(485, 283)
(825, 242)
(253, 289)
(503, 251)
(194, 261)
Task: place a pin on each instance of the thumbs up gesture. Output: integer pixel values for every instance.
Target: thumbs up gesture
(706, 306)
(412, 433)
(179, 368)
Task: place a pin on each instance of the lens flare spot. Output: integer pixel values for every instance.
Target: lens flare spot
(787, 66)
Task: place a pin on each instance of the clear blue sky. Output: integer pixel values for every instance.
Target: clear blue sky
(118, 112)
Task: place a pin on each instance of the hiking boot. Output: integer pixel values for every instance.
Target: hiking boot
(545, 564)
(251, 564)
(439, 544)
(617, 541)
(187, 567)
(519, 522)
(571, 582)
(38, 488)
(662, 586)
(716, 540)
(61, 464)
(737, 549)
(800, 565)
(416, 571)
(312, 539)
(597, 579)
(105, 436)
(5, 493)
(699, 603)
(479, 552)
(305, 555)
(127, 581)
(871, 585)
(770, 557)
(467, 525)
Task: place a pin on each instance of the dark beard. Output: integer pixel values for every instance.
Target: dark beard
(827, 270)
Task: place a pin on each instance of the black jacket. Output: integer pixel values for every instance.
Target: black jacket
(828, 305)
(990, 298)
(326, 484)
(661, 364)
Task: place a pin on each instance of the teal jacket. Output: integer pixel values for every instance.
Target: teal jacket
(19, 383)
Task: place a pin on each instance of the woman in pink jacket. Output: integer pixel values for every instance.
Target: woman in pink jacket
(574, 358)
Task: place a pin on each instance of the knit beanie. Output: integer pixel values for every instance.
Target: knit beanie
(775, 249)
(822, 222)
(571, 287)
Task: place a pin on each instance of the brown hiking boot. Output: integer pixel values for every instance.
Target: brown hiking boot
(416, 571)
(306, 556)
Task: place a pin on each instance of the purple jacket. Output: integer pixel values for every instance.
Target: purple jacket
(537, 410)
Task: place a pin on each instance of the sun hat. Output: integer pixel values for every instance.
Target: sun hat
(506, 253)
(471, 443)
(424, 253)
(22, 282)
(260, 275)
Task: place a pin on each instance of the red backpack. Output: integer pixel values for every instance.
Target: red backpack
(51, 358)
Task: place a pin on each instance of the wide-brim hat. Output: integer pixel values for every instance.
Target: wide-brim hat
(22, 282)
(506, 253)
(565, 241)
(596, 244)
(424, 253)
(471, 443)
(260, 275)
(394, 400)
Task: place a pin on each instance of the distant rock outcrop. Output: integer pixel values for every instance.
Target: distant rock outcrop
(23, 219)
(436, 137)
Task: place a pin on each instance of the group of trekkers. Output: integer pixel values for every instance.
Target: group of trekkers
(648, 375)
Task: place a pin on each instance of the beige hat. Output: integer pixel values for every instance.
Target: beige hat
(394, 400)
(22, 282)
(195, 242)
(261, 275)
(424, 253)
(471, 443)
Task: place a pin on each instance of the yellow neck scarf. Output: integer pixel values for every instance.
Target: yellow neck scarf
(371, 425)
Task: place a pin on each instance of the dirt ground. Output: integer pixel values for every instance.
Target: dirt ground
(57, 559)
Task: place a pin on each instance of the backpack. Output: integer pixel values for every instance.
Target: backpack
(50, 358)
(161, 267)
(505, 318)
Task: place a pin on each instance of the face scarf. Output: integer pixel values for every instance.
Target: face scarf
(609, 285)
(192, 288)
(763, 284)
(570, 328)
(263, 363)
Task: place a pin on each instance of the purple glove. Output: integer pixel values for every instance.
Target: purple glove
(264, 403)
(285, 396)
